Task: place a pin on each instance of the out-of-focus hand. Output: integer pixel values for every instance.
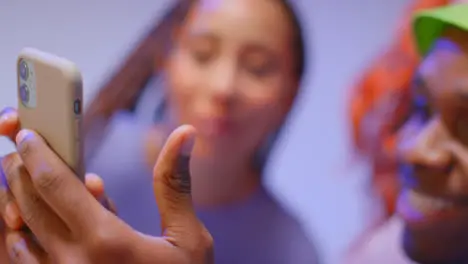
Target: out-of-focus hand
(9, 127)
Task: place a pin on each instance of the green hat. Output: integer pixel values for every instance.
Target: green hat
(429, 24)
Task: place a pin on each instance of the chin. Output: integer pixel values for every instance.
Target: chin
(427, 247)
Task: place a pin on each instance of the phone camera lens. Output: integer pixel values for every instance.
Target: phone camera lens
(24, 93)
(23, 70)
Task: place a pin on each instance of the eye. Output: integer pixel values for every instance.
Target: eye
(202, 56)
(258, 61)
(259, 70)
(259, 67)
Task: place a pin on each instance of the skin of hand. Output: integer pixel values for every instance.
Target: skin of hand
(9, 127)
(71, 226)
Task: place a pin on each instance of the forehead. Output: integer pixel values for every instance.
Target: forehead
(258, 20)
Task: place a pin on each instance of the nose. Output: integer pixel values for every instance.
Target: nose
(425, 161)
(222, 81)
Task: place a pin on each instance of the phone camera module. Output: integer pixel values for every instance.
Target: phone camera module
(23, 70)
(24, 94)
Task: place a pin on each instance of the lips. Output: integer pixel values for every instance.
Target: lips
(421, 211)
(428, 204)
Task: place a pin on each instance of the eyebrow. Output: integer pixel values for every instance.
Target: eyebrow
(260, 48)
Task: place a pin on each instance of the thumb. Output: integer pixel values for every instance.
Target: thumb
(171, 180)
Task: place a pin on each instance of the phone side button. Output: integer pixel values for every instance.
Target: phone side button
(77, 107)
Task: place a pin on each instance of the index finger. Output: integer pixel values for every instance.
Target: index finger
(56, 183)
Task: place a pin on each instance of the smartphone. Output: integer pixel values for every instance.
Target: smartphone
(50, 99)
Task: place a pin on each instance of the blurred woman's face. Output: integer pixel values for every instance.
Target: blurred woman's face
(434, 148)
(231, 73)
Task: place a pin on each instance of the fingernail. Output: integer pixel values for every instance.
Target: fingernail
(18, 249)
(7, 110)
(5, 118)
(187, 147)
(23, 134)
(6, 114)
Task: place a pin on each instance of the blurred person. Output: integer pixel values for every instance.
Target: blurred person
(432, 146)
(232, 70)
(379, 105)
